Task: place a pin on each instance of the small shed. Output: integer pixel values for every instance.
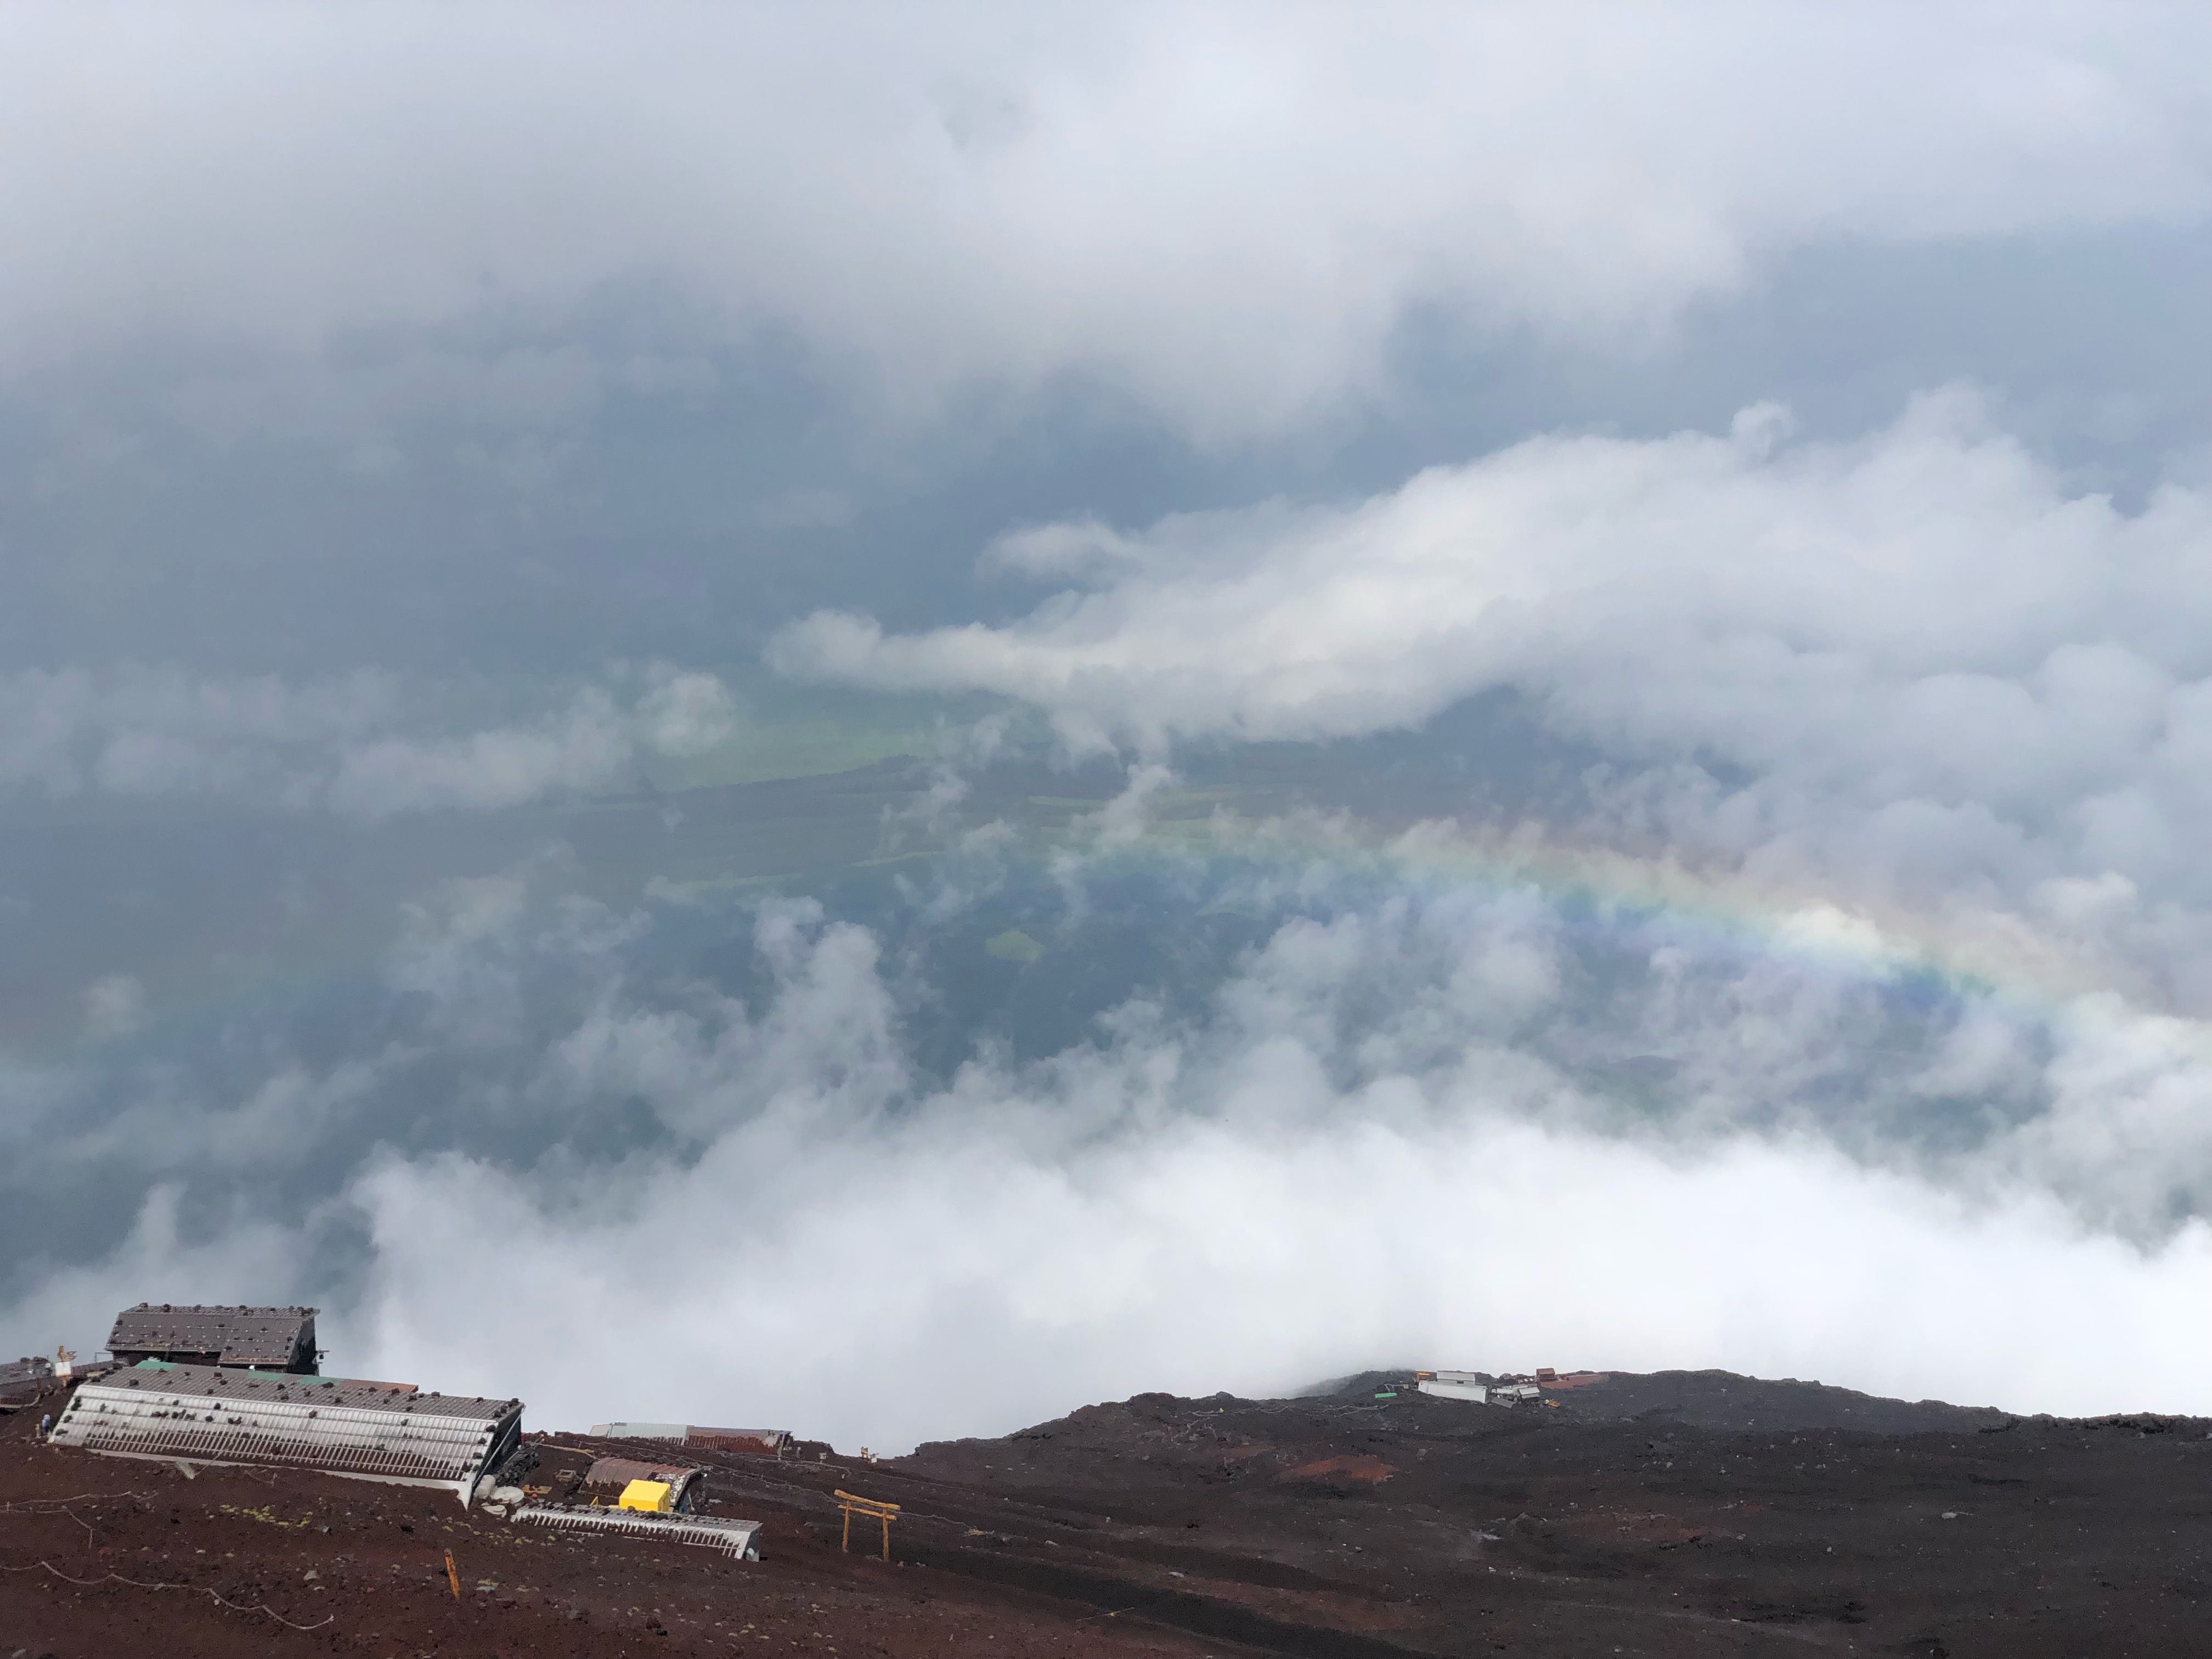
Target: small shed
(610, 1477)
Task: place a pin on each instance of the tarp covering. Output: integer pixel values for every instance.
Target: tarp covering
(608, 1476)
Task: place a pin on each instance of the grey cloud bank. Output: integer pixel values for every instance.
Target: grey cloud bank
(1908, 666)
(416, 898)
(1287, 622)
(1225, 212)
(140, 733)
(1380, 1112)
(1378, 1133)
(539, 335)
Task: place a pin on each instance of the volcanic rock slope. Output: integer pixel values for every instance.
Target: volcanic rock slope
(1682, 1514)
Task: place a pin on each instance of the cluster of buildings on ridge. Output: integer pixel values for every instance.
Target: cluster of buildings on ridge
(242, 1386)
(1481, 1389)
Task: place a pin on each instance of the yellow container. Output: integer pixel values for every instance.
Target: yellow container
(651, 1495)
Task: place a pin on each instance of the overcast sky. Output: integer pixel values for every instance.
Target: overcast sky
(1700, 513)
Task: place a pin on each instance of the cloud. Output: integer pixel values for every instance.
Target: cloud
(1415, 1121)
(144, 731)
(685, 715)
(1368, 1151)
(158, 1256)
(1224, 213)
(584, 747)
(1002, 1286)
(1824, 569)
(114, 1004)
(1231, 1117)
(1909, 664)
(339, 745)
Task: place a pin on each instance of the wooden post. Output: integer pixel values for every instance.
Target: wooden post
(848, 1544)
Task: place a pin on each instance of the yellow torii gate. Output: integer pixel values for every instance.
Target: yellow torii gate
(869, 1506)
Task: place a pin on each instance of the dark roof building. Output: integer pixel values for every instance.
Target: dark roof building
(24, 1377)
(266, 1338)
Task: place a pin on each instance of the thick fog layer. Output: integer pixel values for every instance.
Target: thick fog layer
(1369, 1113)
(889, 720)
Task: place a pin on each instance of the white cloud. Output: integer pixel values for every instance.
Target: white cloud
(1944, 676)
(159, 1257)
(584, 747)
(687, 714)
(114, 1005)
(1910, 687)
(1371, 1146)
(363, 745)
(1225, 211)
(1301, 1192)
(1934, 565)
(1000, 1287)
(142, 731)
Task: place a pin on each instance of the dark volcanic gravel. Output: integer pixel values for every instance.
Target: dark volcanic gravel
(1339, 1526)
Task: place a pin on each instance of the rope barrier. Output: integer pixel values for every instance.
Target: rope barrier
(31, 1505)
(258, 1607)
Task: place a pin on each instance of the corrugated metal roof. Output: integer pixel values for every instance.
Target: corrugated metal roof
(736, 1439)
(224, 1382)
(240, 1336)
(731, 1537)
(341, 1425)
(695, 1434)
(1447, 1390)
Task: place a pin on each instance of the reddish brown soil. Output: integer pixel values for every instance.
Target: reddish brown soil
(1353, 1468)
(1171, 1526)
(101, 1557)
